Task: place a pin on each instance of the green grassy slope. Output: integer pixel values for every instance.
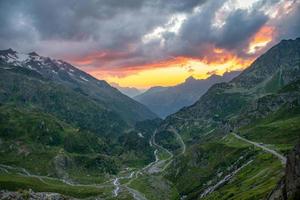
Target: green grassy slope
(45, 146)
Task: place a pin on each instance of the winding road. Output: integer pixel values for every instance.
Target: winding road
(263, 147)
(178, 136)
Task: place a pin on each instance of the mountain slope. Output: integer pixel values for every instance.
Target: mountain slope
(167, 100)
(47, 83)
(261, 105)
(60, 128)
(223, 101)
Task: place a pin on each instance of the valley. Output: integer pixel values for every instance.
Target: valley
(150, 100)
(119, 184)
(70, 135)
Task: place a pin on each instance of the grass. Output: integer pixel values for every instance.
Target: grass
(16, 182)
(155, 187)
(282, 134)
(200, 167)
(231, 141)
(202, 162)
(255, 181)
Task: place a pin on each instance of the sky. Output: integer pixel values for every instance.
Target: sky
(144, 43)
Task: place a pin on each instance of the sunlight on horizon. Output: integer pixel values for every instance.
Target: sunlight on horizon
(174, 73)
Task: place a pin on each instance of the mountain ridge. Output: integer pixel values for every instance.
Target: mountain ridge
(167, 100)
(61, 72)
(261, 105)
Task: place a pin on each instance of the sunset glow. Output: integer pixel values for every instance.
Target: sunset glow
(154, 44)
(172, 72)
(261, 39)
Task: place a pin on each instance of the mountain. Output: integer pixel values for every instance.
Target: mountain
(288, 187)
(269, 73)
(167, 100)
(235, 142)
(64, 131)
(65, 91)
(129, 91)
(237, 135)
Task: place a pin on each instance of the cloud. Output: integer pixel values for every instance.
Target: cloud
(213, 72)
(240, 26)
(110, 34)
(289, 24)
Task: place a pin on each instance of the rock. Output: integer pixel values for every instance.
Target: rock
(292, 179)
(31, 195)
(289, 187)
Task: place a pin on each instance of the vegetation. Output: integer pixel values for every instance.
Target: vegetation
(155, 187)
(254, 181)
(14, 182)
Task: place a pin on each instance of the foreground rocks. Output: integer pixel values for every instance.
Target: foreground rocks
(289, 186)
(30, 195)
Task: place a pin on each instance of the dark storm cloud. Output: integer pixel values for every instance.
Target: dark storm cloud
(239, 27)
(77, 29)
(195, 32)
(12, 29)
(198, 34)
(180, 5)
(289, 26)
(74, 19)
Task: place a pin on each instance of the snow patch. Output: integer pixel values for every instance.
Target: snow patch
(140, 135)
(59, 62)
(10, 58)
(37, 58)
(83, 78)
(29, 66)
(22, 57)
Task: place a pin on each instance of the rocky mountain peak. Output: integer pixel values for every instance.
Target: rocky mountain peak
(33, 54)
(190, 79)
(7, 51)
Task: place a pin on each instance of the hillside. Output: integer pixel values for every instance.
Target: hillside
(36, 77)
(61, 128)
(167, 100)
(261, 107)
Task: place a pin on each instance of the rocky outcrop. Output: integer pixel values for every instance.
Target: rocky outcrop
(292, 179)
(289, 187)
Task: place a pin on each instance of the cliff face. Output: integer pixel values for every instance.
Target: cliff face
(292, 179)
(289, 186)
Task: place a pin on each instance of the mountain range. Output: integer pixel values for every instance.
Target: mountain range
(167, 100)
(238, 133)
(59, 122)
(35, 76)
(65, 134)
(129, 91)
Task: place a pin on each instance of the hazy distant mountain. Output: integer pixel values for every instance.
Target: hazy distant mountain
(129, 91)
(166, 100)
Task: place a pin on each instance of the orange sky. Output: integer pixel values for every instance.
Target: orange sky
(175, 70)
